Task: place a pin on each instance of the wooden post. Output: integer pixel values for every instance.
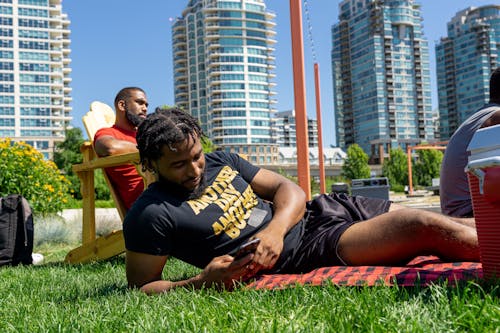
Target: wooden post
(88, 197)
(300, 97)
(322, 185)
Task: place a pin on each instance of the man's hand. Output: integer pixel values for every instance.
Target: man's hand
(269, 249)
(224, 271)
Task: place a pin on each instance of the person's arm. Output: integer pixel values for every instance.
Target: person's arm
(107, 145)
(144, 271)
(289, 202)
(494, 119)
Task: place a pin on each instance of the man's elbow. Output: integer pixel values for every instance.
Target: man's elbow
(143, 287)
(299, 192)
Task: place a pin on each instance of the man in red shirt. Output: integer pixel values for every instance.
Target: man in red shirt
(131, 106)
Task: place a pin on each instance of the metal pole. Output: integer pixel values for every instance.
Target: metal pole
(322, 186)
(300, 97)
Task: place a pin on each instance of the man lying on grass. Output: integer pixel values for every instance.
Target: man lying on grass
(204, 206)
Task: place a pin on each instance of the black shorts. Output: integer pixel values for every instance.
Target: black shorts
(326, 218)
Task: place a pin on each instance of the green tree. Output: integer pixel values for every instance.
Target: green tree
(395, 168)
(25, 171)
(207, 144)
(356, 163)
(427, 166)
(68, 153)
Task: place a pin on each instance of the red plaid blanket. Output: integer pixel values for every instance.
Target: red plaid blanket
(420, 271)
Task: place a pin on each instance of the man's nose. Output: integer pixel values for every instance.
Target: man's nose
(195, 170)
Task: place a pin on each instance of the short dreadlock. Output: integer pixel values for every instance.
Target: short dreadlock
(166, 126)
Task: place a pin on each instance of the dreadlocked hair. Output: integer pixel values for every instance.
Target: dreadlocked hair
(166, 126)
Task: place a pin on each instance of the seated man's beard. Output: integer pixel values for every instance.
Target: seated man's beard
(134, 119)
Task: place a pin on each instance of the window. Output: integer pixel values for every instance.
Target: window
(36, 133)
(28, 111)
(7, 133)
(33, 12)
(5, 21)
(6, 99)
(33, 23)
(7, 122)
(8, 66)
(5, 10)
(35, 100)
(35, 123)
(6, 77)
(6, 54)
(6, 43)
(33, 34)
(34, 56)
(255, 16)
(34, 2)
(34, 67)
(6, 88)
(5, 32)
(33, 45)
(35, 89)
(6, 110)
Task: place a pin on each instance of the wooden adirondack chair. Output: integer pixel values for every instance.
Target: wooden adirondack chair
(92, 248)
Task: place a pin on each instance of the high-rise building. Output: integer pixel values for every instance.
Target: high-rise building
(465, 59)
(381, 78)
(223, 71)
(286, 133)
(34, 72)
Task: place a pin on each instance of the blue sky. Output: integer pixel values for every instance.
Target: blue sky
(118, 43)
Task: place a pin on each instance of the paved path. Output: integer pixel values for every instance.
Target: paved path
(424, 200)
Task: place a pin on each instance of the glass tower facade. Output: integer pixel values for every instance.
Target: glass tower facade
(223, 73)
(381, 77)
(464, 62)
(34, 72)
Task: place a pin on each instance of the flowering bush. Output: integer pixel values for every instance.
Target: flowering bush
(24, 171)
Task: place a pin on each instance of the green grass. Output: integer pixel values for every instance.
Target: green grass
(56, 297)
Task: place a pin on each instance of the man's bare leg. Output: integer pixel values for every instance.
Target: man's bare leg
(402, 234)
(468, 221)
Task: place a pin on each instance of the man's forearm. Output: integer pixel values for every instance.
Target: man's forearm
(162, 286)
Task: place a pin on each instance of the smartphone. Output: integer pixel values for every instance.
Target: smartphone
(245, 248)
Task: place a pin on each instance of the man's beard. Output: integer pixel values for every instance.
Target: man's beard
(134, 119)
(181, 191)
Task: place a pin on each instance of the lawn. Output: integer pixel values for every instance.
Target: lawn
(56, 297)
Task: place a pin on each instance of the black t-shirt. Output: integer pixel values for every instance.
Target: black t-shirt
(223, 217)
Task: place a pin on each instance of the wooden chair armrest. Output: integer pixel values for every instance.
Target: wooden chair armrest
(108, 161)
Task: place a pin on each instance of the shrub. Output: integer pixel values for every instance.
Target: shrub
(356, 163)
(395, 168)
(24, 171)
(427, 166)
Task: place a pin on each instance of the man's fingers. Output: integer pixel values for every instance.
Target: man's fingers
(266, 259)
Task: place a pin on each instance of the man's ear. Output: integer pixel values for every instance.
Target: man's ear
(121, 105)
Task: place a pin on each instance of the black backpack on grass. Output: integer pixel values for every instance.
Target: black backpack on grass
(16, 231)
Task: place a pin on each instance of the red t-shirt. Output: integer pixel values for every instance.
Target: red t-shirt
(125, 179)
